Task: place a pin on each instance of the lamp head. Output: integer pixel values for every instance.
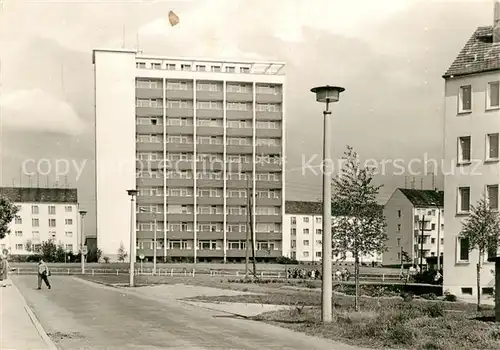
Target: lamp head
(327, 93)
(132, 192)
(82, 212)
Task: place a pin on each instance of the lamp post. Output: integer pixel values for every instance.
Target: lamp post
(132, 194)
(327, 94)
(82, 256)
(154, 239)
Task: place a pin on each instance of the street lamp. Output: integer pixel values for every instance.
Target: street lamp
(132, 194)
(82, 214)
(154, 239)
(327, 94)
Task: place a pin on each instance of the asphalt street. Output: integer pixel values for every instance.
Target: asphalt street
(83, 315)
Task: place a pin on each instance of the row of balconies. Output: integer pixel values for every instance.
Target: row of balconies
(175, 235)
(189, 147)
(149, 217)
(206, 113)
(147, 165)
(208, 131)
(208, 95)
(230, 201)
(202, 183)
(215, 253)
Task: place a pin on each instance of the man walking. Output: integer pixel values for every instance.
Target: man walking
(43, 273)
(4, 271)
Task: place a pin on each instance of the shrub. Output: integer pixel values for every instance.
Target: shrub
(106, 259)
(450, 297)
(283, 260)
(429, 296)
(310, 284)
(401, 334)
(435, 310)
(407, 296)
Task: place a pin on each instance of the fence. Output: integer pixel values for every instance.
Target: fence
(270, 274)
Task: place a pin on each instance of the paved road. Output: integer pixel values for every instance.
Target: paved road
(83, 315)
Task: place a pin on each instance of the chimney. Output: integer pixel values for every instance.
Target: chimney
(496, 22)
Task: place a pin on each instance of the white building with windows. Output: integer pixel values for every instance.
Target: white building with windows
(471, 147)
(406, 213)
(44, 214)
(303, 223)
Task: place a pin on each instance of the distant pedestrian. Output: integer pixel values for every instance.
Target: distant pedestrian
(43, 274)
(338, 275)
(4, 271)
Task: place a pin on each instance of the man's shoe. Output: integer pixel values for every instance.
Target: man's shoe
(39, 288)
(50, 287)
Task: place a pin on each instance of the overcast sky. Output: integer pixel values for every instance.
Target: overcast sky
(388, 54)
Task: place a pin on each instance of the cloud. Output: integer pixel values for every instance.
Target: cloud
(37, 110)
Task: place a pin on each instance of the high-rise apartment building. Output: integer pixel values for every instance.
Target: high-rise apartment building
(202, 141)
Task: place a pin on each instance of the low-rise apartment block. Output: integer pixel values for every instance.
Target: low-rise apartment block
(303, 223)
(406, 212)
(44, 214)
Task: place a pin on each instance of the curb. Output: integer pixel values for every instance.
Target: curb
(50, 344)
(212, 309)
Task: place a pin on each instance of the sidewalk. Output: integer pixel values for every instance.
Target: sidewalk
(17, 331)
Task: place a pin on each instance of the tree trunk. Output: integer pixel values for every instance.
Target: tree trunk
(478, 279)
(356, 279)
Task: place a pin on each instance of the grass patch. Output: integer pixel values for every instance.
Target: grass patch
(402, 326)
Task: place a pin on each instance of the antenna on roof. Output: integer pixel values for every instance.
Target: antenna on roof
(422, 183)
(56, 183)
(406, 182)
(433, 176)
(46, 181)
(29, 181)
(66, 184)
(413, 183)
(37, 179)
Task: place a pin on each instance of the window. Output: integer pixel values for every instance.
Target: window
(492, 192)
(201, 68)
(207, 245)
(467, 290)
(19, 221)
(463, 249)
(305, 219)
(306, 254)
(399, 213)
(305, 231)
(230, 69)
(170, 66)
(68, 209)
(433, 227)
(318, 220)
(69, 247)
(305, 242)
(399, 242)
(293, 220)
(433, 241)
(52, 222)
(186, 67)
(19, 247)
(318, 254)
(464, 151)
(465, 99)
(68, 234)
(463, 199)
(140, 64)
(244, 69)
(294, 243)
(155, 65)
(319, 231)
(19, 233)
(294, 231)
(177, 85)
(68, 221)
(493, 97)
(35, 222)
(399, 227)
(34, 209)
(492, 146)
(215, 68)
(442, 242)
